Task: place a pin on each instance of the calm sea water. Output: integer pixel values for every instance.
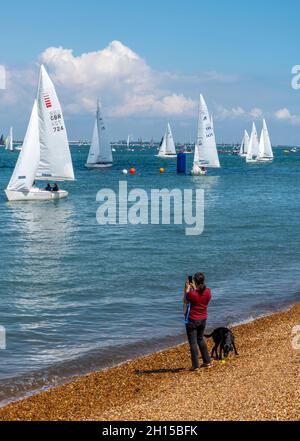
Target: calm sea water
(76, 296)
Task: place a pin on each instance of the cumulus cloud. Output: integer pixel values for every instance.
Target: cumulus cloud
(234, 112)
(119, 76)
(239, 113)
(284, 114)
(256, 113)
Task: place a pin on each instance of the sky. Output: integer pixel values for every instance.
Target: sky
(149, 61)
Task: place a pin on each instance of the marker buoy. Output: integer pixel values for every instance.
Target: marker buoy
(124, 171)
(161, 170)
(132, 171)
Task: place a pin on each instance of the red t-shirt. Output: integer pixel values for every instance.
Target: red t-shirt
(199, 303)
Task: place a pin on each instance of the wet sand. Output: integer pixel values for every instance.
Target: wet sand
(262, 383)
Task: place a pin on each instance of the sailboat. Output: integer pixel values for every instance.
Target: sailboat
(9, 141)
(253, 147)
(45, 153)
(100, 154)
(245, 144)
(128, 141)
(265, 152)
(167, 145)
(206, 153)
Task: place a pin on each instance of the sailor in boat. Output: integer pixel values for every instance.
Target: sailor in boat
(48, 187)
(203, 171)
(55, 187)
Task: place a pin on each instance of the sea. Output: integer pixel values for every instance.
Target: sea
(77, 296)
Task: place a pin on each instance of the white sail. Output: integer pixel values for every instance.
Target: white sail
(245, 144)
(170, 145)
(94, 149)
(206, 154)
(253, 147)
(128, 141)
(100, 150)
(9, 141)
(265, 146)
(29, 158)
(55, 157)
(167, 145)
(212, 122)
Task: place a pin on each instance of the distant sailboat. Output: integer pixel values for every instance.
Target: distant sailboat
(245, 144)
(265, 152)
(45, 153)
(100, 154)
(167, 145)
(128, 141)
(9, 141)
(2, 141)
(253, 147)
(206, 154)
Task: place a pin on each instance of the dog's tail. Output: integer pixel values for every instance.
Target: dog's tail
(208, 335)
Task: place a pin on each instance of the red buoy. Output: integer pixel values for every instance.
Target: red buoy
(132, 171)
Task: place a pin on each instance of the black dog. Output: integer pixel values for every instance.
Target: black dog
(224, 338)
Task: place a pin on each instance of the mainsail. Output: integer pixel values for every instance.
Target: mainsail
(265, 146)
(100, 150)
(9, 141)
(55, 157)
(206, 154)
(253, 147)
(245, 144)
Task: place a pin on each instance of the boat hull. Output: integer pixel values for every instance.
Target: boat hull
(166, 156)
(264, 159)
(99, 165)
(35, 194)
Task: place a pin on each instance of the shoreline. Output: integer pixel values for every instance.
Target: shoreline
(262, 383)
(134, 351)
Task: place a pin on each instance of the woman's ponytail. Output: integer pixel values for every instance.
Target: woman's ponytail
(199, 279)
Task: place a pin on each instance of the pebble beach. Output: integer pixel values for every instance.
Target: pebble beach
(262, 383)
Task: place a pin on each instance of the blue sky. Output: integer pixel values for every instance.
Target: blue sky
(238, 54)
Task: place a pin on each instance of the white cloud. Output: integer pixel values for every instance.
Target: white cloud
(234, 112)
(116, 74)
(284, 114)
(256, 113)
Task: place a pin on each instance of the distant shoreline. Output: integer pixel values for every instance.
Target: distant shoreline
(262, 383)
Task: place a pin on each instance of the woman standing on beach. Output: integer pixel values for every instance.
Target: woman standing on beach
(197, 296)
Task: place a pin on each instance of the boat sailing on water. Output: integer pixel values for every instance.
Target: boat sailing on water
(9, 141)
(206, 153)
(45, 152)
(253, 147)
(265, 152)
(100, 154)
(167, 145)
(245, 144)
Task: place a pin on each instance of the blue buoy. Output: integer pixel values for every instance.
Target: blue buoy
(181, 163)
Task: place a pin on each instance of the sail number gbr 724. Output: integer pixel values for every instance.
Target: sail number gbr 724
(56, 121)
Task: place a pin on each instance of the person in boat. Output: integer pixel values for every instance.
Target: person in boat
(55, 187)
(48, 187)
(197, 296)
(203, 169)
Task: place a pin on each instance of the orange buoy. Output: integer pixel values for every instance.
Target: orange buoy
(132, 171)
(161, 170)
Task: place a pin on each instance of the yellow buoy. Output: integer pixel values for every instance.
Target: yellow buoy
(161, 170)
